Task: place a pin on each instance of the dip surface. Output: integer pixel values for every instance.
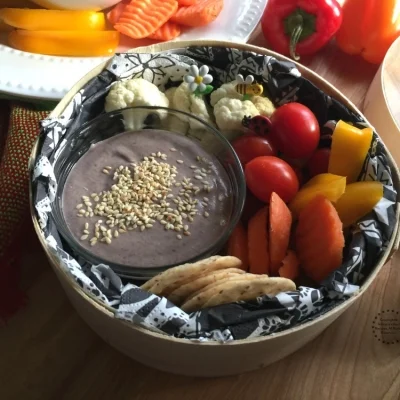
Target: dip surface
(200, 178)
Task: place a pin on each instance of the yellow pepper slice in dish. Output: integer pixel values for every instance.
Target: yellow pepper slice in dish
(65, 43)
(52, 20)
(358, 200)
(329, 185)
(321, 179)
(349, 148)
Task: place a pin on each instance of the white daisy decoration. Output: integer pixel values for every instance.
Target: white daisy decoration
(198, 79)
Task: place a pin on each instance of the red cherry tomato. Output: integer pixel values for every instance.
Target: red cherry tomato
(300, 175)
(319, 161)
(251, 207)
(249, 147)
(295, 130)
(268, 174)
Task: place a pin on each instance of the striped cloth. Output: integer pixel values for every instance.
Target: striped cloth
(19, 127)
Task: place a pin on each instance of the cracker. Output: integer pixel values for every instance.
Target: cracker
(231, 291)
(191, 287)
(173, 277)
(203, 295)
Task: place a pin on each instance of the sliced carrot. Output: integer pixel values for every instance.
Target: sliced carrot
(141, 18)
(114, 15)
(185, 3)
(280, 223)
(290, 266)
(319, 238)
(201, 13)
(257, 235)
(168, 31)
(238, 245)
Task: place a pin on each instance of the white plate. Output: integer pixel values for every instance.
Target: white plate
(37, 76)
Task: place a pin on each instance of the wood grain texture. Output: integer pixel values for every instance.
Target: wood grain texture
(47, 351)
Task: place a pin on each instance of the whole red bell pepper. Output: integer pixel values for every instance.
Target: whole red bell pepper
(300, 27)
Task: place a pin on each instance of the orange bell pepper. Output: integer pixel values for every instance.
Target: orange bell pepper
(65, 43)
(328, 185)
(369, 27)
(349, 148)
(358, 200)
(52, 20)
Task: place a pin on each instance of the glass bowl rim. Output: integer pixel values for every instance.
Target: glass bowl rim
(128, 271)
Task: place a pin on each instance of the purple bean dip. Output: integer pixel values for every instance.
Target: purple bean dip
(147, 198)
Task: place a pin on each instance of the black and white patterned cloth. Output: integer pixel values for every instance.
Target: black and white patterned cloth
(282, 83)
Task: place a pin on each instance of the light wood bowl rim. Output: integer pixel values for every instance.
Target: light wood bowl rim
(315, 78)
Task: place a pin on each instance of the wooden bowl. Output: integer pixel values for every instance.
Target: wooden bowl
(382, 105)
(196, 358)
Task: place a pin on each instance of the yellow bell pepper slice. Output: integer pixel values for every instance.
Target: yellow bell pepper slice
(53, 20)
(349, 148)
(65, 43)
(332, 190)
(358, 200)
(321, 179)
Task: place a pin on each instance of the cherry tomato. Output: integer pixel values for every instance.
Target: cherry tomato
(300, 175)
(268, 174)
(319, 161)
(295, 130)
(251, 207)
(249, 147)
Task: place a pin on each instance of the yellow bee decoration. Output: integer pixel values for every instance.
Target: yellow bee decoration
(247, 87)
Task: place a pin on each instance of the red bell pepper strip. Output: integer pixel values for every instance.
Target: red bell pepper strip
(369, 28)
(300, 27)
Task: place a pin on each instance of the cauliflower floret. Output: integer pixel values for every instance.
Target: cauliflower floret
(229, 114)
(226, 90)
(170, 93)
(174, 123)
(264, 105)
(186, 101)
(134, 93)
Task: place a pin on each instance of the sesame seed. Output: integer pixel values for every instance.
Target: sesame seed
(86, 225)
(198, 177)
(206, 214)
(179, 237)
(172, 149)
(108, 240)
(187, 233)
(86, 232)
(116, 234)
(84, 237)
(179, 161)
(79, 206)
(193, 167)
(198, 158)
(221, 197)
(106, 171)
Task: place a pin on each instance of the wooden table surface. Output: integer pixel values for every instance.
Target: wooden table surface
(47, 352)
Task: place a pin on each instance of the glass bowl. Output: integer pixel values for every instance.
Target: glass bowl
(142, 126)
